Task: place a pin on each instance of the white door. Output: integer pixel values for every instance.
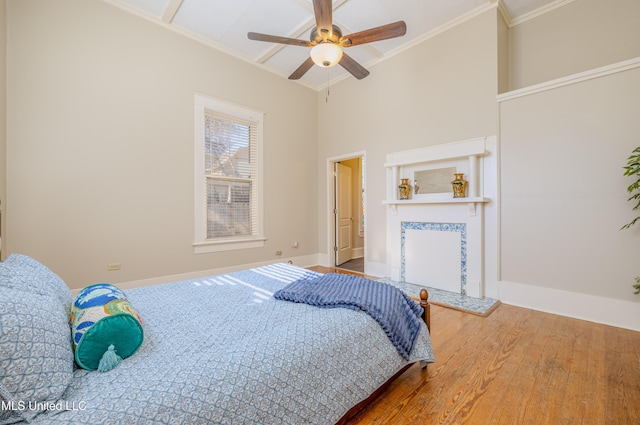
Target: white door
(344, 216)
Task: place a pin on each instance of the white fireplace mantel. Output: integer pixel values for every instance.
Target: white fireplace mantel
(426, 232)
(471, 203)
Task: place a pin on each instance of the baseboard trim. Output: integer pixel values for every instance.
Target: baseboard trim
(607, 311)
(302, 261)
(376, 269)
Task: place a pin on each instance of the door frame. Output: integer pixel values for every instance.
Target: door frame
(330, 203)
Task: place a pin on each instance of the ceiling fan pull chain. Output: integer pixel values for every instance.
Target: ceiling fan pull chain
(326, 98)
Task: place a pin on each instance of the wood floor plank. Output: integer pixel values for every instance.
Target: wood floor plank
(510, 386)
(490, 361)
(531, 387)
(585, 386)
(622, 359)
(555, 365)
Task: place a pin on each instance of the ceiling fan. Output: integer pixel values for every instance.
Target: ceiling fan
(327, 41)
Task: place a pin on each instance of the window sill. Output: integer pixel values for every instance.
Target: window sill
(227, 245)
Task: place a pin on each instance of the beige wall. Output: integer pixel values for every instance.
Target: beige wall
(562, 151)
(564, 195)
(100, 144)
(577, 37)
(503, 55)
(439, 91)
(3, 125)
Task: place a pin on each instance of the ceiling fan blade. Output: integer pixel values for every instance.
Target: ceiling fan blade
(383, 32)
(302, 69)
(353, 67)
(324, 21)
(277, 39)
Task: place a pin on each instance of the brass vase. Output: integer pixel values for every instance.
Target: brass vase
(404, 189)
(459, 186)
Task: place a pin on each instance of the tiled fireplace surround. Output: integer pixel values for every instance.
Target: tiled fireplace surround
(439, 241)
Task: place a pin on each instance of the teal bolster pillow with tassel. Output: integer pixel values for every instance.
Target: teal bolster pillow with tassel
(105, 327)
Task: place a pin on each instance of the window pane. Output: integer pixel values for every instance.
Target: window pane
(228, 169)
(228, 208)
(226, 147)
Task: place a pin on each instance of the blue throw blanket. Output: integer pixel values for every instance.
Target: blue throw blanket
(398, 315)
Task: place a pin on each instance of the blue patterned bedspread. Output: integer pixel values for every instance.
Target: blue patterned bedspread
(398, 315)
(222, 350)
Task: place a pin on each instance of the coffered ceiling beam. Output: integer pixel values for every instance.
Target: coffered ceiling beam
(171, 10)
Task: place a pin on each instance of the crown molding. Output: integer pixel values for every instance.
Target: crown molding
(504, 13)
(537, 12)
(571, 79)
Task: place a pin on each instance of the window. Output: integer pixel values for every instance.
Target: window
(228, 176)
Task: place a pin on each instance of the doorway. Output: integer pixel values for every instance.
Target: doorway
(347, 213)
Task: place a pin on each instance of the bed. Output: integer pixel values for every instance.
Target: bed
(219, 349)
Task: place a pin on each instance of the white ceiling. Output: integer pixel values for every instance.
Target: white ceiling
(224, 24)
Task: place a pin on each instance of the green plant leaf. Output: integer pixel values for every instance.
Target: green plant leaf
(633, 169)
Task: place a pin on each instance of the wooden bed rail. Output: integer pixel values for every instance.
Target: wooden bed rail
(424, 302)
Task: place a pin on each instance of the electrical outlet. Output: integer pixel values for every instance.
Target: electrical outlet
(113, 266)
(278, 253)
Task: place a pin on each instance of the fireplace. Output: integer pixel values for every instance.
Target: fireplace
(434, 255)
(439, 241)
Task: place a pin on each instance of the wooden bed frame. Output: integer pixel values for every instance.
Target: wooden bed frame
(426, 316)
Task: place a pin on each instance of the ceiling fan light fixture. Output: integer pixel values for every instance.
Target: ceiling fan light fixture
(326, 54)
(326, 41)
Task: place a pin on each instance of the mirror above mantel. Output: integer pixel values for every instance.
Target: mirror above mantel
(437, 180)
(432, 170)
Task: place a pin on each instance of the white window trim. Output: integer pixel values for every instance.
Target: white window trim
(201, 244)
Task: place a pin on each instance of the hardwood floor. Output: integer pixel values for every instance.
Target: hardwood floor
(516, 366)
